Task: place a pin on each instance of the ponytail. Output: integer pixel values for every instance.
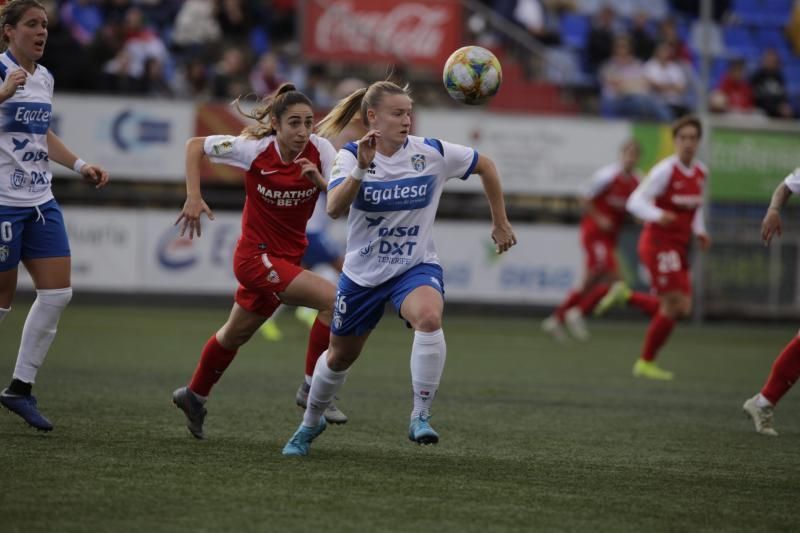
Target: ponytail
(341, 115)
(359, 101)
(273, 105)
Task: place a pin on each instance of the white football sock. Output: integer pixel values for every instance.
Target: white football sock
(3, 313)
(762, 402)
(39, 331)
(324, 386)
(427, 364)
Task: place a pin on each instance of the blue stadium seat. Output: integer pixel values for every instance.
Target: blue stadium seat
(739, 41)
(747, 7)
(792, 75)
(575, 30)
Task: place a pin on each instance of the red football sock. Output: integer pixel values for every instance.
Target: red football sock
(213, 362)
(785, 371)
(318, 341)
(591, 298)
(571, 300)
(646, 302)
(657, 334)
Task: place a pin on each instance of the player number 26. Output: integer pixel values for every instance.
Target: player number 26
(669, 261)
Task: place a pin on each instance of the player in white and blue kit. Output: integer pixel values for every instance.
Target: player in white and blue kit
(391, 182)
(31, 226)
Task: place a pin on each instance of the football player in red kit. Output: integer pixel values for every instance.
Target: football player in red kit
(786, 368)
(670, 202)
(601, 224)
(286, 168)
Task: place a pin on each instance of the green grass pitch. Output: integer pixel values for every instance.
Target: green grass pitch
(535, 436)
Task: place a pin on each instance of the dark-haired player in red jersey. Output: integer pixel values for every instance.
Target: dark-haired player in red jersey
(601, 224)
(286, 168)
(670, 202)
(786, 367)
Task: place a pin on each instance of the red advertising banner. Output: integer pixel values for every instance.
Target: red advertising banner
(423, 33)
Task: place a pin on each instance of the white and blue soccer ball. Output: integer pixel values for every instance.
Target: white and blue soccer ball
(472, 75)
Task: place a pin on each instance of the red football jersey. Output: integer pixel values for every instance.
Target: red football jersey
(671, 186)
(279, 200)
(608, 193)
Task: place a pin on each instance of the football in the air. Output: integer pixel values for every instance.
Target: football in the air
(472, 75)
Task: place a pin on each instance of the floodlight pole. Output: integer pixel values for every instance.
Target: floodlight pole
(704, 153)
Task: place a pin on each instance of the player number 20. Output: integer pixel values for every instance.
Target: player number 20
(5, 232)
(669, 261)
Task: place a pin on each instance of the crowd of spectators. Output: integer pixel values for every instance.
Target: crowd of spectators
(642, 56)
(199, 49)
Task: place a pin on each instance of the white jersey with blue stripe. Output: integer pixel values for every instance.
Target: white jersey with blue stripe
(389, 229)
(25, 117)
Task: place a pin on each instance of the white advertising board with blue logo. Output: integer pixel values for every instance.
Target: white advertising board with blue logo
(129, 251)
(134, 139)
(534, 154)
(544, 265)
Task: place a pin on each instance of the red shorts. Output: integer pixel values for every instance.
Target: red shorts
(260, 278)
(599, 253)
(668, 267)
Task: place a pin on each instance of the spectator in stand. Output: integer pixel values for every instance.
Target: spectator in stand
(116, 77)
(266, 76)
(155, 82)
(196, 30)
(192, 80)
(625, 89)
(600, 42)
(641, 40)
(667, 79)
(106, 45)
(734, 93)
(769, 87)
(668, 32)
(64, 56)
(533, 16)
(280, 20)
(83, 18)
(235, 19)
(229, 78)
(141, 43)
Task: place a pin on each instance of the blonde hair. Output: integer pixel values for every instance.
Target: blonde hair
(273, 105)
(11, 13)
(359, 101)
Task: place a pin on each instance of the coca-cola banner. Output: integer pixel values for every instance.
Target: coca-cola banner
(424, 33)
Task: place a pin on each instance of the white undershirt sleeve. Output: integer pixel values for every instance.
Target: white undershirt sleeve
(699, 222)
(641, 203)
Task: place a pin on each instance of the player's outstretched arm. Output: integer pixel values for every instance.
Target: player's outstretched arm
(502, 233)
(771, 225)
(57, 151)
(194, 205)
